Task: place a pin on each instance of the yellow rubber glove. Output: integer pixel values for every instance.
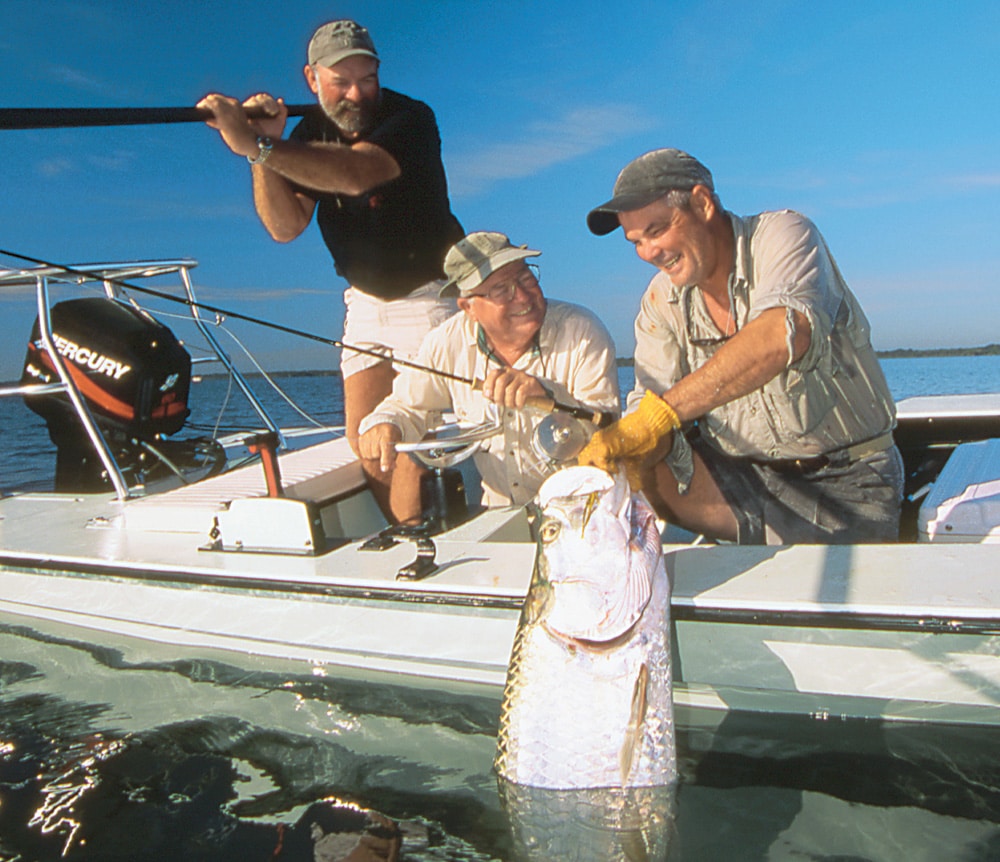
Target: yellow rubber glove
(631, 437)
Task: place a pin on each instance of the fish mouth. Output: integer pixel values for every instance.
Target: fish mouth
(597, 617)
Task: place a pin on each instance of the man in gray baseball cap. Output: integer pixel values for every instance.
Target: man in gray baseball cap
(760, 412)
(520, 345)
(367, 163)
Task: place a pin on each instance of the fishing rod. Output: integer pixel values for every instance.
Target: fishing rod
(601, 419)
(73, 118)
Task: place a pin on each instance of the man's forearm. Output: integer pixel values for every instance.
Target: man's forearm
(329, 168)
(756, 355)
(332, 168)
(283, 213)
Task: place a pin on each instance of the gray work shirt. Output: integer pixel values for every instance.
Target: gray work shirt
(833, 397)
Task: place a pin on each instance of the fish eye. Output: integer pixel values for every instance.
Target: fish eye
(550, 531)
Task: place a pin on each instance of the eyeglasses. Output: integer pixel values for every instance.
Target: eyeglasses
(504, 292)
(711, 341)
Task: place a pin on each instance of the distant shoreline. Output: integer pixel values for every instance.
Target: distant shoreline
(898, 353)
(908, 352)
(629, 362)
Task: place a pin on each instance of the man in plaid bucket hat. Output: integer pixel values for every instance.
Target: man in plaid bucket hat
(520, 344)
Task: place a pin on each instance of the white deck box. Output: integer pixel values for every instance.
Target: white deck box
(964, 503)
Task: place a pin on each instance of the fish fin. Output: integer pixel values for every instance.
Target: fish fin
(593, 498)
(627, 755)
(634, 846)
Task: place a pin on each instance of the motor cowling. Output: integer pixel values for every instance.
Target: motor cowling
(133, 372)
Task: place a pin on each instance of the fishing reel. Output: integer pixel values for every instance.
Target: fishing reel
(560, 437)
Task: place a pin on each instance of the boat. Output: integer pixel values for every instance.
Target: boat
(279, 553)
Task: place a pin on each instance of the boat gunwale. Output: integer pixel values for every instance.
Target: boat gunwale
(180, 579)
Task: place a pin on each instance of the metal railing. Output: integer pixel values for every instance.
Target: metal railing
(113, 279)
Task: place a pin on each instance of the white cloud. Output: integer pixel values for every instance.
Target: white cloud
(978, 181)
(77, 80)
(863, 183)
(266, 294)
(55, 167)
(114, 160)
(542, 144)
(187, 210)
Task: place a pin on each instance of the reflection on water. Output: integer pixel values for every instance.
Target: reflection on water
(593, 825)
(106, 753)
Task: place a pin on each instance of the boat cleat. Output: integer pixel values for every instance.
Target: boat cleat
(424, 565)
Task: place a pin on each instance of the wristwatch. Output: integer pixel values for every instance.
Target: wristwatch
(265, 145)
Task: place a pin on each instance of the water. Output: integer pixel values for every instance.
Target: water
(112, 750)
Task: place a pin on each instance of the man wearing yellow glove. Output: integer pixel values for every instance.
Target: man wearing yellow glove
(749, 339)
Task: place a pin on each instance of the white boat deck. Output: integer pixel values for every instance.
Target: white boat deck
(492, 555)
(169, 533)
(318, 472)
(977, 405)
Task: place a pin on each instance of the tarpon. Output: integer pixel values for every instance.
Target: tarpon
(587, 703)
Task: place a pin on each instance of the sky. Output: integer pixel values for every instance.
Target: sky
(880, 121)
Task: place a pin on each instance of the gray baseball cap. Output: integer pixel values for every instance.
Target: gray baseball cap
(474, 258)
(647, 179)
(337, 40)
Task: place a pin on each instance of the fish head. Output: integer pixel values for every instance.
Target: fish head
(598, 549)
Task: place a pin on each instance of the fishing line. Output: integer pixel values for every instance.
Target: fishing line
(579, 412)
(235, 315)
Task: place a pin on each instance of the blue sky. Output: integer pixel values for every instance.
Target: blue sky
(881, 121)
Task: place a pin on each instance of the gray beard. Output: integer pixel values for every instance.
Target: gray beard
(350, 117)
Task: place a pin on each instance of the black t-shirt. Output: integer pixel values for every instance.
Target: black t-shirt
(393, 238)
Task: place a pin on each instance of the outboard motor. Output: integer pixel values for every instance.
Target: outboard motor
(133, 373)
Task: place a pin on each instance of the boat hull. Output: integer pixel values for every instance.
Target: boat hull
(803, 630)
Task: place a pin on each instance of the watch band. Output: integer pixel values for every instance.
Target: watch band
(265, 145)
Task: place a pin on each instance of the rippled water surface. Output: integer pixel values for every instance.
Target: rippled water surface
(113, 752)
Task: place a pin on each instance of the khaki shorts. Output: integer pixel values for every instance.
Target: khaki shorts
(391, 328)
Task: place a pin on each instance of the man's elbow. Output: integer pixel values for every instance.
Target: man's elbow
(285, 231)
(364, 182)
(801, 336)
(283, 235)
